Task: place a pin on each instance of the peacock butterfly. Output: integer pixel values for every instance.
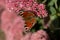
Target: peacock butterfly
(29, 17)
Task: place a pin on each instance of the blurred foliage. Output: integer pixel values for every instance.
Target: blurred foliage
(53, 8)
(2, 35)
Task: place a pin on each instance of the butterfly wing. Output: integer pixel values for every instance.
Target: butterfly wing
(30, 19)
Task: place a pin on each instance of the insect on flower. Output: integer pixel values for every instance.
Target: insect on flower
(30, 19)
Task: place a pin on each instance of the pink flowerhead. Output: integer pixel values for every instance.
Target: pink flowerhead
(26, 5)
(39, 35)
(27, 36)
(12, 25)
(42, 11)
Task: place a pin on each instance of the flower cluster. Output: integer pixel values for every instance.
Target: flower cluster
(27, 5)
(39, 35)
(12, 25)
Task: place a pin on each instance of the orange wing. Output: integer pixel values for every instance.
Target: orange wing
(30, 19)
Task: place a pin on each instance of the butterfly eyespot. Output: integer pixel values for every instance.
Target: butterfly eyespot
(27, 29)
(25, 25)
(21, 12)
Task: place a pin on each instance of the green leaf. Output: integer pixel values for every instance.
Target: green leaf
(53, 17)
(54, 1)
(39, 20)
(33, 30)
(56, 6)
(41, 27)
(52, 10)
(51, 3)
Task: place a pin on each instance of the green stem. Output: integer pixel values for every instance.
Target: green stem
(56, 6)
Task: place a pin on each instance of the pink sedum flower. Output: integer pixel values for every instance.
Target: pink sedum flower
(42, 10)
(41, 6)
(26, 5)
(12, 25)
(27, 36)
(39, 35)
